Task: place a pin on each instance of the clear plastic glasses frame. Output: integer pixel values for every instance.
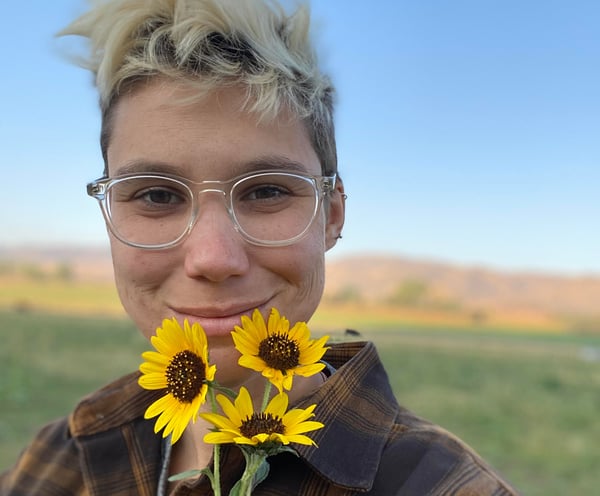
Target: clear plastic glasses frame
(157, 211)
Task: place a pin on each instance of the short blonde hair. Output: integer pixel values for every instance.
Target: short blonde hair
(210, 44)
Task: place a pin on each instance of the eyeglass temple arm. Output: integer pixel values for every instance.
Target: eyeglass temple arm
(96, 189)
(329, 183)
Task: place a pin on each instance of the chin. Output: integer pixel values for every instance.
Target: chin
(229, 373)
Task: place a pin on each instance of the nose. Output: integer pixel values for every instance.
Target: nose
(214, 250)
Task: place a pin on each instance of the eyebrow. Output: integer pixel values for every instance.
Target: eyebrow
(266, 162)
(143, 166)
(274, 162)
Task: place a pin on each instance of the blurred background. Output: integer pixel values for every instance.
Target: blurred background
(468, 143)
(467, 130)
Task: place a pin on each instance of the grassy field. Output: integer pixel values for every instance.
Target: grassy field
(58, 296)
(529, 402)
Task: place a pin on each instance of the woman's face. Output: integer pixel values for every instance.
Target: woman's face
(214, 276)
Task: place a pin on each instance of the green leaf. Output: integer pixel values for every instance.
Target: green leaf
(235, 490)
(232, 395)
(256, 471)
(261, 473)
(273, 449)
(285, 449)
(259, 476)
(191, 473)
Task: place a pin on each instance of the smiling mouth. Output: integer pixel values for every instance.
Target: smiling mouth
(216, 322)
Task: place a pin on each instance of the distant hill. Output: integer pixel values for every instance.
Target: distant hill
(84, 262)
(393, 278)
(396, 280)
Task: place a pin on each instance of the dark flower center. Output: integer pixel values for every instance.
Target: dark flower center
(279, 352)
(185, 376)
(262, 423)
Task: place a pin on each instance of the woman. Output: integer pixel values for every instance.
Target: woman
(221, 196)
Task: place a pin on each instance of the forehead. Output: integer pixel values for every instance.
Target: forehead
(212, 137)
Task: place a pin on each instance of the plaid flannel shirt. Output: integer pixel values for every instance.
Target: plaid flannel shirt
(369, 446)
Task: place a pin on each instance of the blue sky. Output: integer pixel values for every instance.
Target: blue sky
(468, 130)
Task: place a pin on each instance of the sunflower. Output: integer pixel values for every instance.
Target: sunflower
(180, 366)
(277, 351)
(274, 426)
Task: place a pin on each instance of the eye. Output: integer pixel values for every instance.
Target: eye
(265, 192)
(160, 196)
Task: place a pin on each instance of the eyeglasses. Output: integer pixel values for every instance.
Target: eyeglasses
(157, 211)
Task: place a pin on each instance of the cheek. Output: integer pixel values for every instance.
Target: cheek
(307, 256)
(138, 278)
(303, 267)
(310, 259)
(128, 268)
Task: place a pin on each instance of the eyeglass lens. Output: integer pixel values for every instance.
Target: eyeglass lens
(267, 207)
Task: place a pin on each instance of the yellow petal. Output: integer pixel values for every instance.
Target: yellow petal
(308, 370)
(156, 358)
(287, 381)
(230, 410)
(300, 439)
(280, 438)
(298, 415)
(245, 440)
(252, 362)
(245, 344)
(246, 324)
(253, 328)
(163, 346)
(178, 427)
(303, 427)
(210, 373)
(299, 332)
(278, 405)
(197, 337)
(275, 377)
(243, 404)
(218, 420)
(171, 337)
(259, 323)
(277, 324)
(153, 381)
(314, 352)
(152, 368)
(270, 373)
(261, 438)
(219, 438)
(166, 416)
(158, 406)
(197, 402)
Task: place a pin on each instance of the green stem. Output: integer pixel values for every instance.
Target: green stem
(266, 395)
(217, 469)
(253, 462)
(216, 482)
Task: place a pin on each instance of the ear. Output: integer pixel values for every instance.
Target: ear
(336, 214)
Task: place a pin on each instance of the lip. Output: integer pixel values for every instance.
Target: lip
(215, 321)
